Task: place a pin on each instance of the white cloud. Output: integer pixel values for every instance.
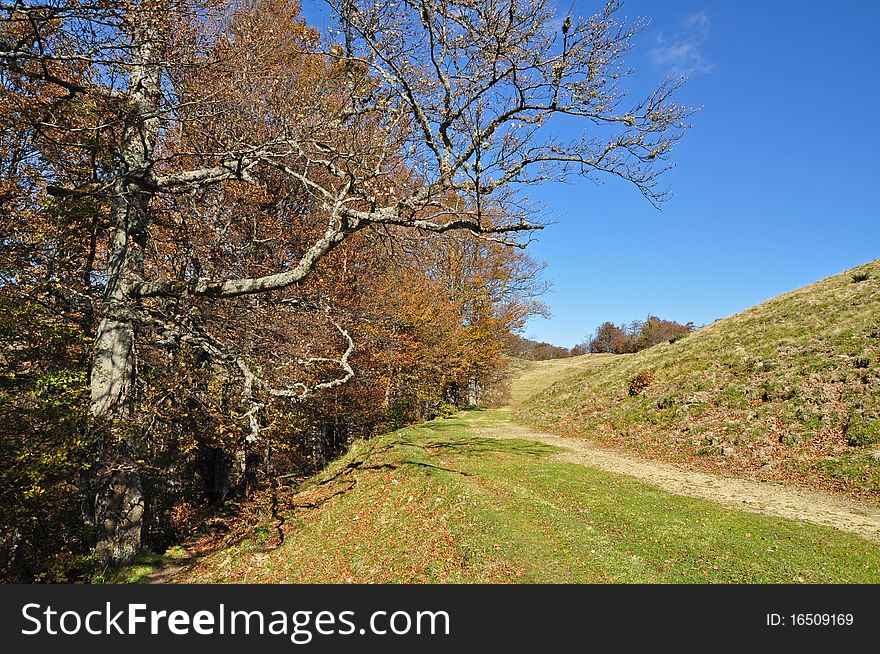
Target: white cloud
(698, 22)
(682, 53)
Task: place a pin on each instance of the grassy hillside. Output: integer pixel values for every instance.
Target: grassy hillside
(437, 504)
(531, 377)
(789, 389)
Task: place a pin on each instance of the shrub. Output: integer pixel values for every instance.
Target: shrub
(859, 277)
(446, 410)
(639, 382)
(862, 431)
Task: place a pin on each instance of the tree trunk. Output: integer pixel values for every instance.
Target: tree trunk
(119, 507)
(252, 461)
(473, 391)
(220, 482)
(118, 496)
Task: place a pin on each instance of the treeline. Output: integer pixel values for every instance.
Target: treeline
(531, 350)
(634, 337)
(430, 327)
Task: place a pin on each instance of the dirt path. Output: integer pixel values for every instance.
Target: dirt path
(167, 572)
(769, 498)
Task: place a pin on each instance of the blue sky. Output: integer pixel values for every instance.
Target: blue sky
(776, 185)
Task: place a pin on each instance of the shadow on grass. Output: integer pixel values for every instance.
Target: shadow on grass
(147, 567)
(448, 437)
(439, 438)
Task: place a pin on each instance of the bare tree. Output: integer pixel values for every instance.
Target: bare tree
(430, 115)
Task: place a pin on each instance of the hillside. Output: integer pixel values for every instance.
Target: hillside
(787, 390)
(532, 377)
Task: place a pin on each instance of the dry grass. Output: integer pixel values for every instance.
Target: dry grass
(531, 377)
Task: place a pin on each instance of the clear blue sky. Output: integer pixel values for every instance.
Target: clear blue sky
(776, 186)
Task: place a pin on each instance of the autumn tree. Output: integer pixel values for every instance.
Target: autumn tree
(656, 330)
(638, 335)
(432, 116)
(531, 350)
(609, 338)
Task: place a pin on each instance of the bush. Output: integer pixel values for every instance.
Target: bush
(639, 382)
(862, 431)
(859, 277)
(446, 410)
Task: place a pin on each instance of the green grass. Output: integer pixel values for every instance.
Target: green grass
(794, 381)
(436, 504)
(134, 573)
(138, 570)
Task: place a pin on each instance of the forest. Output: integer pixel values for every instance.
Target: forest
(233, 243)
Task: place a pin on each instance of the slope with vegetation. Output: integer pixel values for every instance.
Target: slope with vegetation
(789, 389)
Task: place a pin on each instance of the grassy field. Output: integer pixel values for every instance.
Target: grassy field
(787, 390)
(437, 504)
